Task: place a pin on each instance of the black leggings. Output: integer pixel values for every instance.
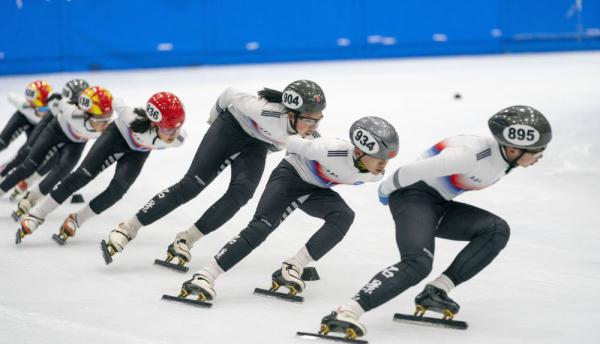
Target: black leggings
(51, 158)
(285, 192)
(51, 139)
(16, 125)
(420, 215)
(108, 148)
(225, 143)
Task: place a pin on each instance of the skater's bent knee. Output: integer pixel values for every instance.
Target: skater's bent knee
(501, 233)
(257, 231)
(187, 188)
(419, 266)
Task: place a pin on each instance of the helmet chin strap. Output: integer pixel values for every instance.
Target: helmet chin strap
(359, 164)
(511, 163)
(294, 122)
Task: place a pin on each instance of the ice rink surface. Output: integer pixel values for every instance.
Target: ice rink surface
(543, 288)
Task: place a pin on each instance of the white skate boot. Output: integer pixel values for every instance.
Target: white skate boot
(18, 190)
(117, 240)
(23, 207)
(343, 321)
(289, 276)
(67, 230)
(200, 285)
(29, 224)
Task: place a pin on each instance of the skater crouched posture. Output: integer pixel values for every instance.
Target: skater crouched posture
(420, 196)
(128, 142)
(30, 110)
(70, 93)
(304, 180)
(243, 128)
(66, 134)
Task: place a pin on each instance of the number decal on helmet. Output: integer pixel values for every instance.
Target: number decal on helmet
(521, 135)
(85, 102)
(365, 142)
(153, 113)
(66, 93)
(291, 99)
(30, 93)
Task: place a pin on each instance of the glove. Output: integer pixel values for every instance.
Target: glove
(53, 96)
(383, 198)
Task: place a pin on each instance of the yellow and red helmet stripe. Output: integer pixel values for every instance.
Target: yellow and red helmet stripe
(96, 101)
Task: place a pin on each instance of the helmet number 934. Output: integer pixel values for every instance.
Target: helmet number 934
(365, 142)
(520, 134)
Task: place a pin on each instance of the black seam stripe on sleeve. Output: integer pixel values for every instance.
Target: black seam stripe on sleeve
(268, 113)
(484, 154)
(316, 134)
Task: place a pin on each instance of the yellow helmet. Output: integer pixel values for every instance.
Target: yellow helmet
(96, 101)
(37, 93)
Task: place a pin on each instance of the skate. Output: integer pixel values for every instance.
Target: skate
(436, 300)
(18, 190)
(288, 276)
(67, 230)
(29, 224)
(23, 207)
(117, 240)
(178, 249)
(340, 321)
(198, 285)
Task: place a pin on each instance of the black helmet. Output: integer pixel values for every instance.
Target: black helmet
(521, 126)
(304, 96)
(375, 137)
(73, 89)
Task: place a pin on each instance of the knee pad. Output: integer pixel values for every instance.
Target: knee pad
(341, 219)
(118, 188)
(257, 231)
(186, 189)
(240, 194)
(418, 267)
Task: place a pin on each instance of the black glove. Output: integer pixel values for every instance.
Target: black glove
(54, 96)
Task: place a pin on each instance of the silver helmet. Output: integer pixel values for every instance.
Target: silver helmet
(304, 96)
(522, 127)
(375, 137)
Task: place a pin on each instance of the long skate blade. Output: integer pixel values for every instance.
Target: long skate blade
(15, 216)
(18, 237)
(277, 295)
(428, 321)
(58, 239)
(105, 253)
(169, 265)
(313, 336)
(310, 274)
(197, 303)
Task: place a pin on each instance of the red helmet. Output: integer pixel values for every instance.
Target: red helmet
(165, 110)
(37, 93)
(96, 101)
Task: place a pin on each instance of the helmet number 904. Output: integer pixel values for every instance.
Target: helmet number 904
(365, 142)
(521, 134)
(291, 99)
(153, 113)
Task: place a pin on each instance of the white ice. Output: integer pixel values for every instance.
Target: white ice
(543, 288)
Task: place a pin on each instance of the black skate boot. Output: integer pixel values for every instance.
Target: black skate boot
(435, 299)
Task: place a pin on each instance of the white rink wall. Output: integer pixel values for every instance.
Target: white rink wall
(543, 288)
